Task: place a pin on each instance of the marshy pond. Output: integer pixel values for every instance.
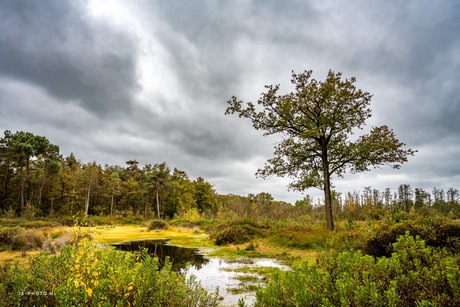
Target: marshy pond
(235, 279)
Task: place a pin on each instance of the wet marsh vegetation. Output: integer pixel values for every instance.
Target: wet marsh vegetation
(261, 262)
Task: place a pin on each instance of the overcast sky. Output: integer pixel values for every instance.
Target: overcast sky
(112, 81)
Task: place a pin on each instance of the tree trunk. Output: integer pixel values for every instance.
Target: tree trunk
(158, 204)
(111, 202)
(40, 192)
(72, 201)
(328, 204)
(51, 207)
(87, 200)
(23, 184)
(5, 183)
(327, 192)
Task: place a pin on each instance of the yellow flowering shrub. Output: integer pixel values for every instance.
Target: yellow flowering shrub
(85, 275)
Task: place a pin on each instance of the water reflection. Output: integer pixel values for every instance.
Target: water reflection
(178, 256)
(218, 273)
(212, 273)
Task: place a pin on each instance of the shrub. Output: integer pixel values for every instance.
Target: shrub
(381, 244)
(204, 224)
(7, 235)
(240, 231)
(19, 238)
(415, 275)
(439, 233)
(28, 240)
(191, 215)
(446, 234)
(232, 234)
(157, 225)
(28, 223)
(83, 275)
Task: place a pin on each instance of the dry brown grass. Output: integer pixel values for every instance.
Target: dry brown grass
(22, 243)
(21, 256)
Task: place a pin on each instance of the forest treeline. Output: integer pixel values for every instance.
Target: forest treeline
(36, 180)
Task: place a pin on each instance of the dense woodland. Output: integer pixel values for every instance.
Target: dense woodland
(388, 248)
(38, 181)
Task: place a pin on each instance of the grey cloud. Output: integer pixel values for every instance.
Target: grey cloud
(55, 45)
(203, 38)
(405, 53)
(406, 56)
(201, 133)
(396, 46)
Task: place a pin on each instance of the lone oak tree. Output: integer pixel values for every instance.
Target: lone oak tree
(316, 122)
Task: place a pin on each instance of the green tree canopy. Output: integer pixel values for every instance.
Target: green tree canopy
(316, 122)
(205, 195)
(159, 176)
(23, 149)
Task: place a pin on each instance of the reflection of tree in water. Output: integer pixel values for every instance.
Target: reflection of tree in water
(178, 256)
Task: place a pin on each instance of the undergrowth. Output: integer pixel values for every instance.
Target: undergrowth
(240, 231)
(415, 275)
(84, 275)
(439, 233)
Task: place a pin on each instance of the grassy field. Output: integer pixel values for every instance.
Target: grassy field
(26, 238)
(177, 235)
(289, 241)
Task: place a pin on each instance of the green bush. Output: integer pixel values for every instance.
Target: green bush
(28, 223)
(232, 234)
(415, 275)
(83, 275)
(19, 238)
(381, 244)
(80, 219)
(439, 233)
(240, 231)
(7, 235)
(157, 224)
(27, 240)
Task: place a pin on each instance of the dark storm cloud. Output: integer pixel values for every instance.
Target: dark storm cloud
(218, 45)
(405, 53)
(215, 49)
(168, 67)
(410, 50)
(56, 45)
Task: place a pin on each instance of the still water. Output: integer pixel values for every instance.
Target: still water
(212, 273)
(178, 256)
